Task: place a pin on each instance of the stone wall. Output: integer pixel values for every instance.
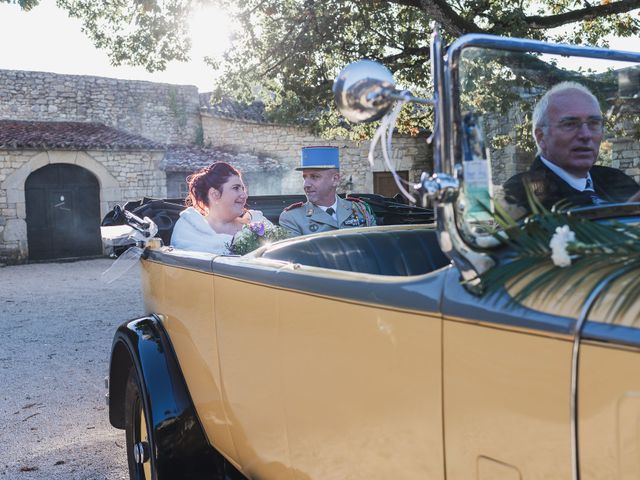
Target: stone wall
(625, 149)
(122, 176)
(284, 143)
(138, 173)
(626, 157)
(161, 112)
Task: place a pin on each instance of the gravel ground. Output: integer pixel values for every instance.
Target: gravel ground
(57, 321)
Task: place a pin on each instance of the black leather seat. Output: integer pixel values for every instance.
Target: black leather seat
(393, 252)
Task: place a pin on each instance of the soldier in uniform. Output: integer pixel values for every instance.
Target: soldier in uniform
(324, 210)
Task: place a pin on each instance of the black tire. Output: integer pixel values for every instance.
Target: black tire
(137, 431)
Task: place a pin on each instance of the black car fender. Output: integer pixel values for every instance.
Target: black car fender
(178, 442)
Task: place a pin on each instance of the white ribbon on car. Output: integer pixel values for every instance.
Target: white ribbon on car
(132, 255)
(384, 136)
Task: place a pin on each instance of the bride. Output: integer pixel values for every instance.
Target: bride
(216, 211)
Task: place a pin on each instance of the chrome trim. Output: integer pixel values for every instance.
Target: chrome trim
(443, 184)
(523, 45)
(141, 453)
(469, 262)
(440, 132)
(440, 187)
(575, 356)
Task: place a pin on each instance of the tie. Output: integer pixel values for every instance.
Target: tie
(595, 199)
(330, 211)
(589, 185)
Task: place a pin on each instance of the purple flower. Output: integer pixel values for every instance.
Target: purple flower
(257, 228)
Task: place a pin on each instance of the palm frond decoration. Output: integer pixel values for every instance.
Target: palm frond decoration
(553, 249)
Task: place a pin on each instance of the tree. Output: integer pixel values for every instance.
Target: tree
(24, 4)
(294, 48)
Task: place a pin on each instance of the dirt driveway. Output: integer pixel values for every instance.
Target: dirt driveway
(57, 321)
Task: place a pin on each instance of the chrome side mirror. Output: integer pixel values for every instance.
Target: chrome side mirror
(363, 91)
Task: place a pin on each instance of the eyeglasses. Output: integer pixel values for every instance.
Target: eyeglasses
(572, 125)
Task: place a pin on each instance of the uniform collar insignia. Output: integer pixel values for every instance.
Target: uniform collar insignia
(310, 208)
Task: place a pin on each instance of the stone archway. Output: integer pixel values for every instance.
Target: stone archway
(14, 185)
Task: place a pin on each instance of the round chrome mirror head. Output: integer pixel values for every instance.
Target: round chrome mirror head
(363, 91)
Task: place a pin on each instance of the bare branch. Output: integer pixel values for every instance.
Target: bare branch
(441, 12)
(454, 24)
(588, 13)
(408, 52)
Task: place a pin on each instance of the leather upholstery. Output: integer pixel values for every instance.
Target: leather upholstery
(394, 252)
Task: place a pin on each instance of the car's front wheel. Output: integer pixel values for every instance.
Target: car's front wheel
(139, 441)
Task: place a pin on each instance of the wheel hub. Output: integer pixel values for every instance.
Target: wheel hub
(141, 452)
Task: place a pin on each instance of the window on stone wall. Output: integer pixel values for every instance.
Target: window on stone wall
(183, 189)
(384, 184)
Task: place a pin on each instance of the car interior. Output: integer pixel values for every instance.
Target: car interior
(415, 251)
(415, 248)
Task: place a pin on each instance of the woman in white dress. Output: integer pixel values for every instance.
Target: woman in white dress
(216, 212)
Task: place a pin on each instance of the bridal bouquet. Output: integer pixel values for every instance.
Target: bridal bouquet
(255, 235)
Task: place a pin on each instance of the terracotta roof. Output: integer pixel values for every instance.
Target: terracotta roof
(69, 135)
(187, 158)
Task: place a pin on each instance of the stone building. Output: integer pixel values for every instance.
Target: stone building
(261, 174)
(73, 146)
(58, 180)
(244, 128)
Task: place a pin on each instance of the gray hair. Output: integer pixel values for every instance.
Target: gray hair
(539, 116)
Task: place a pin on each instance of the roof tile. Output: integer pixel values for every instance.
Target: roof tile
(69, 135)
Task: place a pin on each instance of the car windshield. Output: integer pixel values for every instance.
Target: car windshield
(564, 128)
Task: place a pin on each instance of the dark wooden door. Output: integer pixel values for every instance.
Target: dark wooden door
(63, 212)
(384, 184)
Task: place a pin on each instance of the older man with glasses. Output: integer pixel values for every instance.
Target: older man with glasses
(568, 130)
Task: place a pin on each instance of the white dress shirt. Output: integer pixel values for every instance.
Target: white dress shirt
(579, 183)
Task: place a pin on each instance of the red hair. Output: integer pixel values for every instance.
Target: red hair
(199, 183)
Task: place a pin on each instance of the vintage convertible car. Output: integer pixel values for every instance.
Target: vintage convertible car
(384, 352)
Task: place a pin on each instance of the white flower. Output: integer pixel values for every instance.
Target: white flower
(243, 234)
(558, 245)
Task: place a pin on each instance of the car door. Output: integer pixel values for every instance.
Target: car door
(609, 393)
(506, 388)
(332, 374)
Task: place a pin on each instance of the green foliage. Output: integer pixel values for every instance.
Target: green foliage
(199, 140)
(148, 33)
(177, 107)
(294, 48)
(24, 4)
(299, 46)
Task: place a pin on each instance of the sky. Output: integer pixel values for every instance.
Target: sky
(45, 39)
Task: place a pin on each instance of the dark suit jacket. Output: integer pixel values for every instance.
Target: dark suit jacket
(610, 185)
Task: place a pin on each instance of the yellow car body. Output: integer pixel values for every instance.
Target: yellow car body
(294, 382)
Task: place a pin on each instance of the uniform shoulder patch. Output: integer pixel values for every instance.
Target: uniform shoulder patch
(294, 206)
